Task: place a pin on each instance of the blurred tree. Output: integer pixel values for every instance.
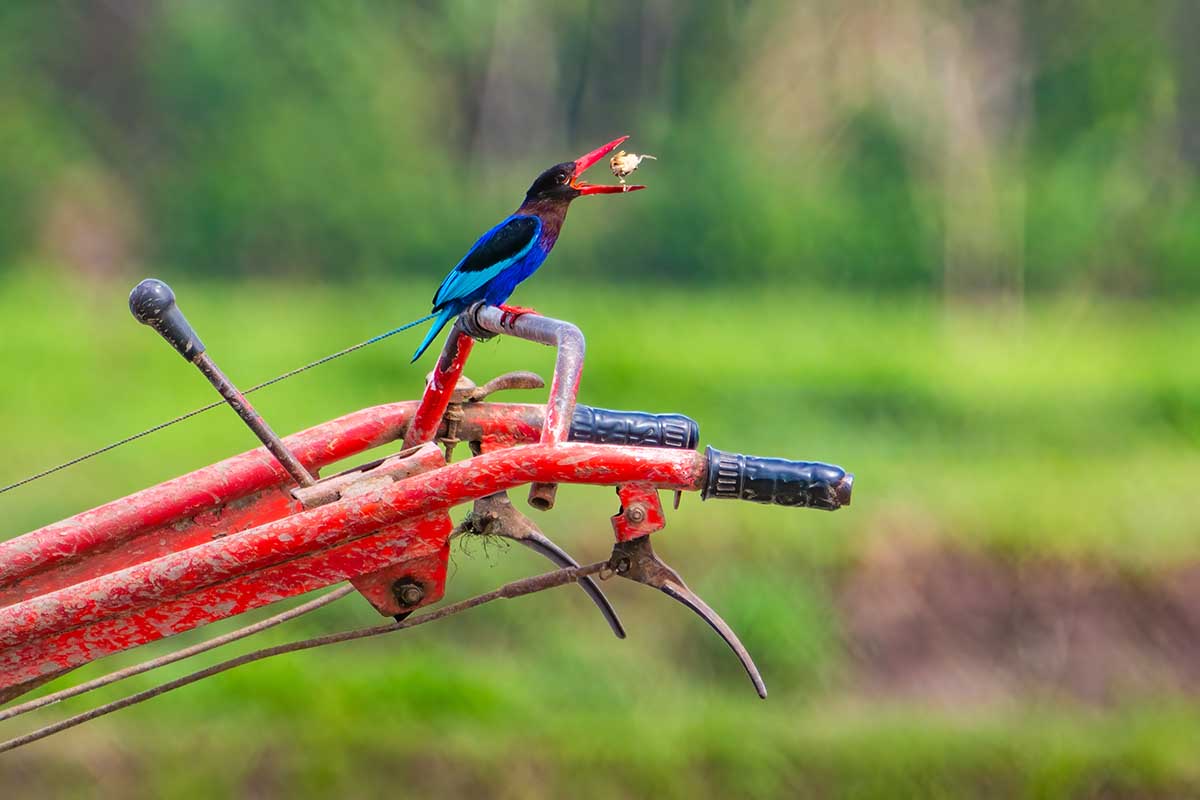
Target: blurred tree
(956, 145)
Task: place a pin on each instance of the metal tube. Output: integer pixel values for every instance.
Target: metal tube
(564, 387)
(254, 421)
(440, 387)
(248, 568)
(179, 574)
(568, 367)
(73, 549)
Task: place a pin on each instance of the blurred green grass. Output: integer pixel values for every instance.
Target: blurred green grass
(1062, 428)
(1067, 426)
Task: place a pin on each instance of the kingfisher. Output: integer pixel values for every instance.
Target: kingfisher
(514, 249)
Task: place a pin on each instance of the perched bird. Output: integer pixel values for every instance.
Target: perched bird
(513, 250)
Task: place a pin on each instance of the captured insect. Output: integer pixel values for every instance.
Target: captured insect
(623, 164)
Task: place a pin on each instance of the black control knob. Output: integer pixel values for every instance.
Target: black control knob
(153, 303)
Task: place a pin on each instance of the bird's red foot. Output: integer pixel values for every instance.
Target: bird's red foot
(509, 317)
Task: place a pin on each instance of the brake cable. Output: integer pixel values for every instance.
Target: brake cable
(518, 588)
(178, 655)
(210, 406)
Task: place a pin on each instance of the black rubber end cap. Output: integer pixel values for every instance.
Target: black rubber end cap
(150, 301)
(153, 303)
(778, 481)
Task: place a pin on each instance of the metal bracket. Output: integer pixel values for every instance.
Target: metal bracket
(641, 512)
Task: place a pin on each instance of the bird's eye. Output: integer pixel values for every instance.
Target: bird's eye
(562, 177)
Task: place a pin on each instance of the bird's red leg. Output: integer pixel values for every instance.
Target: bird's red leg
(512, 312)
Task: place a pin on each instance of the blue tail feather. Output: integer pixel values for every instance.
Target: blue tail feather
(444, 316)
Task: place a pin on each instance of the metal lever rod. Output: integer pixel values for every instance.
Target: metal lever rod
(238, 402)
(153, 303)
(635, 559)
(495, 515)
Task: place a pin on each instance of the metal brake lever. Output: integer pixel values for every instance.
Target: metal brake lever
(495, 515)
(635, 559)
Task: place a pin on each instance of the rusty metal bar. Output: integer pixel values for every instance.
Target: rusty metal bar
(254, 421)
(178, 655)
(564, 386)
(180, 590)
(439, 387)
(508, 591)
(179, 574)
(187, 510)
(152, 303)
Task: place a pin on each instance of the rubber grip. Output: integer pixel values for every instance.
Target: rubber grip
(153, 303)
(777, 481)
(602, 426)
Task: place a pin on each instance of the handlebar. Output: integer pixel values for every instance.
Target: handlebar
(602, 426)
(803, 484)
(772, 481)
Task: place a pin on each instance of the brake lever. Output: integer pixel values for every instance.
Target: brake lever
(636, 560)
(495, 515)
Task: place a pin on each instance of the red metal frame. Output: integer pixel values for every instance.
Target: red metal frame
(439, 388)
(300, 552)
(232, 536)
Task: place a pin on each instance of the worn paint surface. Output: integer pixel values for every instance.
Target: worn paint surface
(155, 510)
(243, 570)
(439, 388)
(73, 646)
(641, 512)
(236, 494)
(232, 536)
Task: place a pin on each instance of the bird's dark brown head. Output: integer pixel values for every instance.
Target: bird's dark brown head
(562, 182)
(554, 184)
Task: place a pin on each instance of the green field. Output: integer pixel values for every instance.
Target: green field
(1062, 430)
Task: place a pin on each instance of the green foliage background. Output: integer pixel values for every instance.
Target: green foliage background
(949, 245)
(1005, 146)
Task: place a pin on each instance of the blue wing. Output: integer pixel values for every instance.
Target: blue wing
(496, 250)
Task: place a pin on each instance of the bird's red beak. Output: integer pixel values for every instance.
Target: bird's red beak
(587, 160)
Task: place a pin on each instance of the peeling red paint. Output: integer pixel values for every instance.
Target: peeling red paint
(428, 417)
(641, 511)
(232, 536)
(297, 553)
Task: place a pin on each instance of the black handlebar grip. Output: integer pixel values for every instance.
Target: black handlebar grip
(803, 484)
(601, 426)
(153, 303)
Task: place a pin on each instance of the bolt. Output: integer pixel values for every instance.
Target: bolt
(636, 513)
(407, 592)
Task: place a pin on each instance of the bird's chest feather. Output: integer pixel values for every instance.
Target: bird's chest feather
(504, 283)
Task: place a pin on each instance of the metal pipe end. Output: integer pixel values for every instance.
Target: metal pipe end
(541, 495)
